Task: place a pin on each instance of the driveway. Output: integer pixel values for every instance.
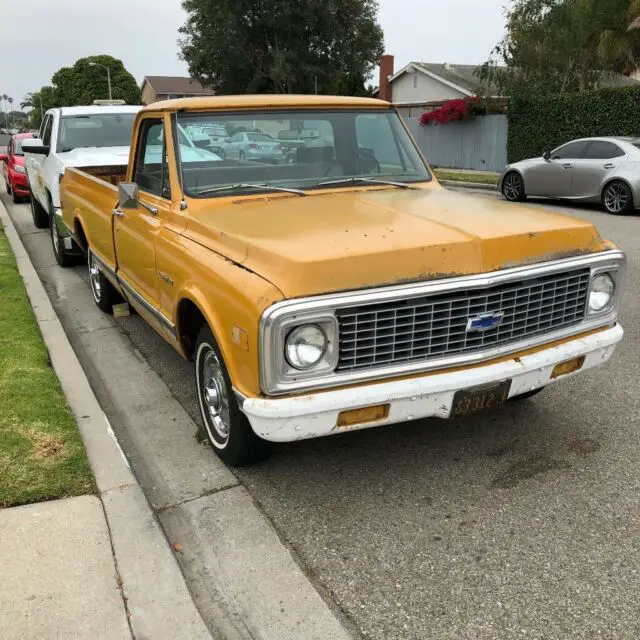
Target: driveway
(520, 524)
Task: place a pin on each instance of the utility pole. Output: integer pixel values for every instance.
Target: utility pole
(104, 66)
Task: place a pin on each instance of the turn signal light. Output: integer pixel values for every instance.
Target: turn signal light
(569, 366)
(364, 415)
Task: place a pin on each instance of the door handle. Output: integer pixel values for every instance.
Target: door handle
(119, 213)
(567, 166)
(609, 165)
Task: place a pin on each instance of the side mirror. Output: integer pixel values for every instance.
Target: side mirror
(128, 195)
(35, 146)
(546, 156)
(4, 157)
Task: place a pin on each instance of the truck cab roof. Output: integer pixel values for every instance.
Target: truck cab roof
(275, 101)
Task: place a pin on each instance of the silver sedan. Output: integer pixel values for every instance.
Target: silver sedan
(605, 170)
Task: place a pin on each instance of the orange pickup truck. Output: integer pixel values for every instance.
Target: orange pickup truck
(335, 285)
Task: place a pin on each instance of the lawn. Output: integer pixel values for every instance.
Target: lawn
(464, 176)
(41, 453)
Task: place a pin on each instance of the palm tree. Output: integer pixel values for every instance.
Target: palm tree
(28, 100)
(619, 48)
(4, 97)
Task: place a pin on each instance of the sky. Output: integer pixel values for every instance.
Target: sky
(144, 33)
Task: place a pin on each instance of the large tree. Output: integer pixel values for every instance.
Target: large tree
(281, 46)
(85, 82)
(559, 46)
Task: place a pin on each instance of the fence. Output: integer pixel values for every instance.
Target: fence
(480, 143)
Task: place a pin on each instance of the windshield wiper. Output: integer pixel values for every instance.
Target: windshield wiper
(251, 185)
(402, 185)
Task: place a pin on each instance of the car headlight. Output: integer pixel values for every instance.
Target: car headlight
(18, 168)
(305, 347)
(603, 288)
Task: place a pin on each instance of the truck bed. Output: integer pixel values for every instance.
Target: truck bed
(88, 197)
(109, 173)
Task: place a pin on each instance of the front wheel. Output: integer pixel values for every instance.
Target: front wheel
(228, 429)
(104, 293)
(617, 198)
(513, 187)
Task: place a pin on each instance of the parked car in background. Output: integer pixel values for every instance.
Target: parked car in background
(14, 170)
(254, 146)
(605, 170)
(95, 138)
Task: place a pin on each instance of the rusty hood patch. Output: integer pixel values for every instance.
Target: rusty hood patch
(356, 239)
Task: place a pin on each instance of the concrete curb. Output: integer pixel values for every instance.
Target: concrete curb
(471, 186)
(155, 592)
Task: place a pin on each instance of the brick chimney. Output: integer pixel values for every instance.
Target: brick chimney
(386, 71)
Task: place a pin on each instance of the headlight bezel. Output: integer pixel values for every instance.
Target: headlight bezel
(610, 302)
(614, 271)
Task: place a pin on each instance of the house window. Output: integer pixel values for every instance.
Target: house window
(415, 80)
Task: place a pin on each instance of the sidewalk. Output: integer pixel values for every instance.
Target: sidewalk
(87, 567)
(59, 579)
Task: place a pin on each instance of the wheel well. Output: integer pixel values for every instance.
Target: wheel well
(80, 237)
(190, 321)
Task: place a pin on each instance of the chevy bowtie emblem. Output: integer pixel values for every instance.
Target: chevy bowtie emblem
(485, 321)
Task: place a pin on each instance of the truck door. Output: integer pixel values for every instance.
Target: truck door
(136, 230)
(35, 161)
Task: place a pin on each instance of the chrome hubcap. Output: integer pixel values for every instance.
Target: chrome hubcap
(214, 395)
(616, 198)
(512, 186)
(94, 278)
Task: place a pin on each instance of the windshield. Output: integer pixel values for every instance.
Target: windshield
(96, 130)
(298, 150)
(17, 147)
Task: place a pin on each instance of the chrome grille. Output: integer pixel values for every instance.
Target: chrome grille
(421, 328)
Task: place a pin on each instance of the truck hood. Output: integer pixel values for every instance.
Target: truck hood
(329, 242)
(96, 156)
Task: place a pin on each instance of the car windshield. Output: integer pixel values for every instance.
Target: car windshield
(17, 147)
(95, 130)
(308, 150)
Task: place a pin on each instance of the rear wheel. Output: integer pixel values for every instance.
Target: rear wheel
(513, 187)
(228, 429)
(62, 255)
(104, 293)
(39, 214)
(617, 198)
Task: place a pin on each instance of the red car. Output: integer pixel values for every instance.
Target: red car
(14, 170)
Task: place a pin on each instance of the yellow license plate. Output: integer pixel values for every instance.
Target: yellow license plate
(466, 402)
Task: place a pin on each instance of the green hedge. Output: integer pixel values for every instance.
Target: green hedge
(539, 124)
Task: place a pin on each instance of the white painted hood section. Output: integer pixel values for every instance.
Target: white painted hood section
(95, 156)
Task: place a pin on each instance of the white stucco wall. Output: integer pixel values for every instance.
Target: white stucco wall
(428, 89)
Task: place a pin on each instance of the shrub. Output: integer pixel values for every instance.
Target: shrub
(537, 125)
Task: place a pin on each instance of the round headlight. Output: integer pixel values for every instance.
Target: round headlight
(601, 293)
(305, 346)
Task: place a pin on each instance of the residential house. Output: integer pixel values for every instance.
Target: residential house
(427, 82)
(156, 88)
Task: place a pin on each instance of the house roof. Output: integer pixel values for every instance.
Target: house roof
(177, 85)
(463, 78)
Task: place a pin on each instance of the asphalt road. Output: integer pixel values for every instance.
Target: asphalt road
(521, 524)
